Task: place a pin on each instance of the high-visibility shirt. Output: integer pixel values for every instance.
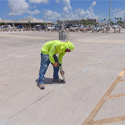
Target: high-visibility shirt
(56, 47)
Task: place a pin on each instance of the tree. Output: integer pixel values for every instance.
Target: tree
(42, 24)
(85, 23)
(82, 20)
(115, 18)
(2, 23)
(57, 20)
(104, 19)
(91, 23)
(120, 22)
(120, 18)
(111, 23)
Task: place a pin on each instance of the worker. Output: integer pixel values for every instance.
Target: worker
(48, 55)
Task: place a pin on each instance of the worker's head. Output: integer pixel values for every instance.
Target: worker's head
(70, 47)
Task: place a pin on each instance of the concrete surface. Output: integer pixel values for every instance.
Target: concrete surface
(90, 71)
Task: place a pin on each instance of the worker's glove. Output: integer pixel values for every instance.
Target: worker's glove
(55, 64)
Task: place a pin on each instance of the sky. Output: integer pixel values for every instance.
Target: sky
(62, 9)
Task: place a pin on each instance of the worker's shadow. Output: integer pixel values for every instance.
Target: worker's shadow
(49, 81)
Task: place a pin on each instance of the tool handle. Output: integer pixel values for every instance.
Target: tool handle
(62, 72)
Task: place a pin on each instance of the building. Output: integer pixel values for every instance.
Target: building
(103, 24)
(26, 22)
(76, 22)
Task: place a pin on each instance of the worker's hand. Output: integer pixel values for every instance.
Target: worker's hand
(55, 64)
(62, 72)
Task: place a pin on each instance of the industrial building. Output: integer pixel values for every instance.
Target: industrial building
(26, 22)
(80, 21)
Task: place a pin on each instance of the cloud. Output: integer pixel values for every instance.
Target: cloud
(90, 8)
(115, 10)
(94, 3)
(20, 6)
(57, 1)
(51, 15)
(34, 12)
(33, 6)
(120, 14)
(39, 1)
(66, 3)
(80, 12)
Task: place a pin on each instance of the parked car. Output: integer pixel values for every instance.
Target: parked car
(116, 27)
(20, 27)
(80, 27)
(89, 28)
(43, 27)
(58, 27)
(4, 27)
(9, 27)
(51, 27)
(69, 25)
(39, 27)
(73, 28)
(97, 28)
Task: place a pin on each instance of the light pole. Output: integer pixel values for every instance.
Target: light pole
(109, 15)
(45, 16)
(12, 15)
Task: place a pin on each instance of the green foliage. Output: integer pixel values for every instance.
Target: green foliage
(57, 20)
(2, 23)
(111, 23)
(91, 23)
(27, 26)
(85, 23)
(120, 22)
(42, 24)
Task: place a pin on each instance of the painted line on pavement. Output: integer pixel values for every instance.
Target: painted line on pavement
(90, 119)
(115, 96)
(109, 120)
(122, 80)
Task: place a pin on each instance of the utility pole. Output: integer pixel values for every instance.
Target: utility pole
(45, 16)
(79, 19)
(12, 15)
(124, 22)
(109, 15)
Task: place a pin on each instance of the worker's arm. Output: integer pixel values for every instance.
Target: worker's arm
(61, 57)
(51, 54)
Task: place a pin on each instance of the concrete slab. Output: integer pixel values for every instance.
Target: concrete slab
(112, 108)
(118, 123)
(90, 70)
(119, 89)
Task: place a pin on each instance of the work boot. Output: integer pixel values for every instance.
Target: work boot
(41, 86)
(58, 80)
